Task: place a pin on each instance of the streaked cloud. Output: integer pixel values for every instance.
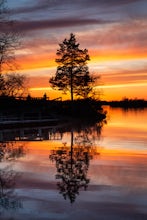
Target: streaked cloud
(123, 85)
(113, 31)
(57, 23)
(37, 5)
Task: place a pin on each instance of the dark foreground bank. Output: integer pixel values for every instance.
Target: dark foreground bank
(32, 112)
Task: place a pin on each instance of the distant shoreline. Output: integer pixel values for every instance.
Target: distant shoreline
(128, 103)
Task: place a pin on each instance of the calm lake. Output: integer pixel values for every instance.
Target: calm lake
(86, 171)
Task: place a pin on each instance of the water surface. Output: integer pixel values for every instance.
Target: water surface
(84, 172)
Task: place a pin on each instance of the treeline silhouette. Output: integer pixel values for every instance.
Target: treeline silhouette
(127, 103)
(43, 108)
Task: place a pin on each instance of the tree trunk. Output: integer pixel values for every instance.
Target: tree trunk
(71, 90)
(71, 85)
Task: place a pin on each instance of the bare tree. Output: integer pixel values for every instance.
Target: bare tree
(8, 45)
(15, 85)
(8, 40)
(11, 83)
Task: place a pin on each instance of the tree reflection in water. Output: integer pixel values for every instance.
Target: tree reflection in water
(72, 162)
(9, 152)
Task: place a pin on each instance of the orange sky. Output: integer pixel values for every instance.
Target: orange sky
(114, 34)
(114, 84)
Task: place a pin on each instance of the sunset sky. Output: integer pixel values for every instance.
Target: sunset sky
(113, 31)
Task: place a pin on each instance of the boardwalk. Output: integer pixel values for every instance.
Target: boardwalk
(18, 122)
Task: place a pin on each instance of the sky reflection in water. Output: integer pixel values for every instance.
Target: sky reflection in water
(106, 179)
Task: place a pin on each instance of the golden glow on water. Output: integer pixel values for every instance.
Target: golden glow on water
(121, 139)
(82, 166)
(121, 154)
